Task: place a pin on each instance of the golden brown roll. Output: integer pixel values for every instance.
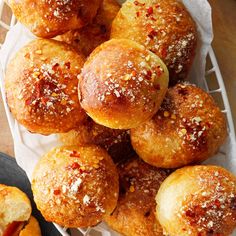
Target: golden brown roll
(31, 228)
(165, 27)
(135, 211)
(115, 141)
(85, 40)
(198, 201)
(75, 186)
(188, 128)
(46, 18)
(122, 84)
(41, 87)
(15, 210)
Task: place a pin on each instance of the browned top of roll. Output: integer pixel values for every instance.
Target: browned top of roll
(122, 84)
(41, 87)
(86, 39)
(198, 200)
(163, 26)
(47, 18)
(75, 186)
(135, 211)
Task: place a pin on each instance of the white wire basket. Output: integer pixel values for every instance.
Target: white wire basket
(213, 84)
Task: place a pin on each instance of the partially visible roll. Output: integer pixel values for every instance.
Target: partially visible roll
(15, 210)
(116, 142)
(85, 40)
(32, 228)
(198, 200)
(122, 84)
(163, 26)
(46, 18)
(135, 211)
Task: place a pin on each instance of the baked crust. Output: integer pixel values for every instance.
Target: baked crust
(163, 26)
(122, 84)
(85, 40)
(188, 128)
(41, 87)
(47, 18)
(198, 200)
(116, 142)
(14, 207)
(75, 186)
(135, 211)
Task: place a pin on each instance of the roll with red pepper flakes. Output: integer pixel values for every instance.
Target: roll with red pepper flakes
(49, 18)
(188, 128)
(135, 211)
(163, 26)
(41, 87)
(122, 84)
(75, 186)
(86, 39)
(115, 141)
(198, 201)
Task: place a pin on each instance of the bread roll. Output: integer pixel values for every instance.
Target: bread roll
(47, 18)
(31, 229)
(75, 186)
(115, 141)
(15, 209)
(85, 40)
(198, 200)
(163, 26)
(135, 211)
(122, 84)
(188, 128)
(41, 87)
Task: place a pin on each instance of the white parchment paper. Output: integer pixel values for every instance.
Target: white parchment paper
(30, 147)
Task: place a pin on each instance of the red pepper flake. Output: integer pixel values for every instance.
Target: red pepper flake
(28, 101)
(159, 71)
(74, 154)
(149, 73)
(217, 203)
(157, 86)
(54, 67)
(149, 11)
(82, 171)
(190, 213)
(137, 13)
(152, 18)
(74, 166)
(44, 100)
(151, 32)
(133, 73)
(164, 52)
(38, 89)
(67, 65)
(157, 6)
(27, 55)
(57, 191)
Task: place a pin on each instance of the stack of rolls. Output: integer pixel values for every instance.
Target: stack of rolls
(112, 84)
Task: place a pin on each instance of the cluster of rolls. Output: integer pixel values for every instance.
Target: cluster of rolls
(110, 84)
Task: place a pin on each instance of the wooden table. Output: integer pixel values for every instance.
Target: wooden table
(224, 21)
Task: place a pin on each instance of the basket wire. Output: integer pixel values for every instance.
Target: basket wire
(220, 90)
